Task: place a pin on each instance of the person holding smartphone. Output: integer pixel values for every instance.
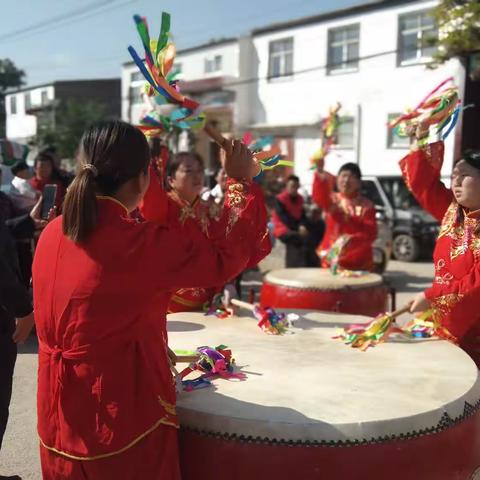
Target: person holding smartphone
(46, 175)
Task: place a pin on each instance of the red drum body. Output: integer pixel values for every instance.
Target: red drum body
(318, 289)
(314, 408)
(429, 457)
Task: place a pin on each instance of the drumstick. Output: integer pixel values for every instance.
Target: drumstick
(215, 135)
(182, 358)
(400, 311)
(241, 304)
(393, 315)
(221, 141)
(187, 358)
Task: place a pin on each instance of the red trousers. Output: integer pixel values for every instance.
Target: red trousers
(153, 458)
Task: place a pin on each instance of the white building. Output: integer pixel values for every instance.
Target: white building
(30, 108)
(370, 58)
(21, 123)
(282, 79)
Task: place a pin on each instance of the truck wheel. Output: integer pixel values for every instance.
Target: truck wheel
(405, 248)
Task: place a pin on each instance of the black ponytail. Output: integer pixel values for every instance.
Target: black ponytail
(110, 154)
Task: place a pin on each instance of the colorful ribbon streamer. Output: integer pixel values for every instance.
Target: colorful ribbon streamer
(440, 108)
(369, 334)
(217, 307)
(328, 134)
(271, 321)
(162, 82)
(212, 363)
(267, 155)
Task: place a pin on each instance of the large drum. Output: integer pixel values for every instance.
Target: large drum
(318, 289)
(313, 408)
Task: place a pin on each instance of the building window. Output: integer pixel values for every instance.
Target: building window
(136, 95)
(345, 133)
(136, 77)
(280, 61)
(343, 48)
(44, 97)
(13, 105)
(393, 139)
(417, 36)
(213, 64)
(28, 101)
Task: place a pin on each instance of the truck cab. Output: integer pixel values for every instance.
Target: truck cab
(414, 230)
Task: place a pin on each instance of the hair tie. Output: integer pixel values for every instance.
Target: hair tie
(92, 168)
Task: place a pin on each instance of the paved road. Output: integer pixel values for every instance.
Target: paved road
(20, 450)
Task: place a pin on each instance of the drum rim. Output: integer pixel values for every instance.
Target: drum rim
(376, 281)
(446, 422)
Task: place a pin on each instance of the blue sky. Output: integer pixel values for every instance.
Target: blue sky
(67, 39)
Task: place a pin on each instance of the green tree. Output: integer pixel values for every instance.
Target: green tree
(10, 77)
(70, 120)
(459, 29)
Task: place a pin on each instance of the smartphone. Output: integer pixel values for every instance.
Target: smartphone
(48, 201)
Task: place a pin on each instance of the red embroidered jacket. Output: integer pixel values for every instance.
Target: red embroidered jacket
(103, 378)
(352, 216)
(169, 209)
(179, 212)
(455, 288)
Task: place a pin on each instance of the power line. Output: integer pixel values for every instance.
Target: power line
(310, 69)
(63, 20)
(294, 73)
(303, 71)
(239, 22)
(52, 20)
(53, 66)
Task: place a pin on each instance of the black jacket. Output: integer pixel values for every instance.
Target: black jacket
(14, 298)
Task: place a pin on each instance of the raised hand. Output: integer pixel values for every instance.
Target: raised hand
(239, 162)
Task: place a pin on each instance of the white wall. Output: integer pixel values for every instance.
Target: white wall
(193, 63)
(130, 113)
(377, 89)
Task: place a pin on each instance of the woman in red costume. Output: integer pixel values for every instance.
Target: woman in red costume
(106, 398)
(454, 294)
(184, 182)
(349, 215)
(173, 199)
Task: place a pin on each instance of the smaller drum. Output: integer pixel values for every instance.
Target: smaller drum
(318, 289)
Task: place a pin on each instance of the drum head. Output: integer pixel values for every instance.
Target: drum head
(305, 387)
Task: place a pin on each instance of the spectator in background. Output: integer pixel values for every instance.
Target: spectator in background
(7, 207)
(46, 173)
(65, 177)
(23, 195)
(292, 227)
(216, 195)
